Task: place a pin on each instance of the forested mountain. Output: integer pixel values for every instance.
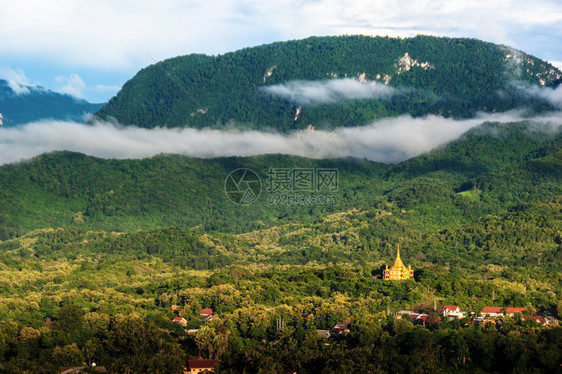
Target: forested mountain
(291, 85)
(514, 166)
(31, 103)
(97, 256)
(94, 253)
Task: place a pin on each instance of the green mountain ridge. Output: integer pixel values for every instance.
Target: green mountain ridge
(446, 76)
(97, 256)
(38, 103)
(65, 188)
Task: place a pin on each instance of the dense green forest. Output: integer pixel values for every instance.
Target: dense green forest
(94, 253)
(97, 256)
(38, 103)
(117, 313)
(63, 188)
(446, 76)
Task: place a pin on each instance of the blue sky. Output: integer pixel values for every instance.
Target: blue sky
(91, 48)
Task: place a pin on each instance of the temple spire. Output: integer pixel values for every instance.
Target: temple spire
(398, 262)
(398, 271)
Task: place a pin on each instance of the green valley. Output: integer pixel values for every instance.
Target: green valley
(280, 264)
(98, 256)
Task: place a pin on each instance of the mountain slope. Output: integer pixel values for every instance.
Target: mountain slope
(36, 103)
(263, 87)
(350, 236)
(65, 188)
(60, 188)
(482, 149)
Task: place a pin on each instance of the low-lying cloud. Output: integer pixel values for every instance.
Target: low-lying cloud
(329, 91)
(389, 140)
(550, 94)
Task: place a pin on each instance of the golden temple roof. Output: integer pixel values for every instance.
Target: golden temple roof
(398, 262)
(398, 271)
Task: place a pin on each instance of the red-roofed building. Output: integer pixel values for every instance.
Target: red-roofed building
(423, 318)
(180, 320)
(175, 307)
(200, 365)
(340, 329)
(452, 311)
(206, 314)
(498, 311)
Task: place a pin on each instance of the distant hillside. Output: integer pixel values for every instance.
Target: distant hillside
(473, 176)
(37, 103)
(331, 81)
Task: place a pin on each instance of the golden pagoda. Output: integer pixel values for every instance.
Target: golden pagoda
(398, 271)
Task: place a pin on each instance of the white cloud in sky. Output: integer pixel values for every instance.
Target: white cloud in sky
(329, 90)
(388, 140)
(16, 79)
(556, 64)
(71, 85)
(114, 34)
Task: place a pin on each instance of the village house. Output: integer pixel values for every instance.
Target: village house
(206, 314)
(340, 329)
(498, 311)
(181, 320)
(452, 311)
(200, 365)
(422, 319)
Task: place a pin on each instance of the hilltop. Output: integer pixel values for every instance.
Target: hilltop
(327, 82)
